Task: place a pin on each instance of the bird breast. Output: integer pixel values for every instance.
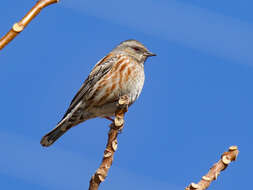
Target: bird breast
(134, 81)
(125, 78)
(130, 78)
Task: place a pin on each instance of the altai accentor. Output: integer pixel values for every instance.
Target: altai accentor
(119, 73)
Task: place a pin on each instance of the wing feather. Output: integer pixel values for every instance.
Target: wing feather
(100, 69)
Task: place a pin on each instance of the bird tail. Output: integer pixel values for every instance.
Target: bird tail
(55, 134)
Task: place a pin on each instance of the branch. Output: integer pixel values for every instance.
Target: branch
(112, 144)
(226, 159)
(19, 26)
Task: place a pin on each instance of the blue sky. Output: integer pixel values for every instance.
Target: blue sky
(196, 101)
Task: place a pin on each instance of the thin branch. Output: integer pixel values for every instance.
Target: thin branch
(226, 159)
(19, 26)
(112, 144)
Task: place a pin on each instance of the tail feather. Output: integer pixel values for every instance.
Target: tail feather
(53, 135)
(70, 120)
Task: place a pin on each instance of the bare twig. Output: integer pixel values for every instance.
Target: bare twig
(226, 158)
(112, 144)
(19, 26)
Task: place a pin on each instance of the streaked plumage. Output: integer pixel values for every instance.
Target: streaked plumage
(119, 73)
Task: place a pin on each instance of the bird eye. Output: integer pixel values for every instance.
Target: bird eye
(136, 48)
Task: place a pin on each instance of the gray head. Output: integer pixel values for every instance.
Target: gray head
(134, 49)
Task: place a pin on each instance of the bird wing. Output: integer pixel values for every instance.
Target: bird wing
(100, 69)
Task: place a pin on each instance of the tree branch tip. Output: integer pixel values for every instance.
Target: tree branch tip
(233, 148)
(226, 160)
(101, 178)
(124, 100)
(115, 145)
(216, 175)
(194, 186)
(17, 27)
(118, 121)
(101, 174)
(106, 166)
(214, 171)
(206, 178)
(107, 154)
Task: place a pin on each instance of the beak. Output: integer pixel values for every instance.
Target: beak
(150, 54)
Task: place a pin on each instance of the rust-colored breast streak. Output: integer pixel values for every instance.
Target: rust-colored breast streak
(122, 68)
(106, 96)
(114, 77)
(113, 87)
(117, 65)
(114, 74)
(128, 73)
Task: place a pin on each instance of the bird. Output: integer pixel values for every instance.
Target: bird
(119, 73)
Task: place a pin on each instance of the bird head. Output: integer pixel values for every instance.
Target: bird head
(134, 49)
